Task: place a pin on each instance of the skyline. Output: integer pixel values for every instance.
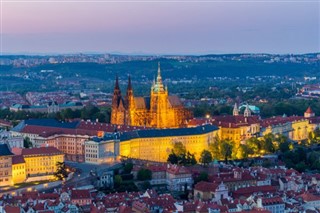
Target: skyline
(160, 27)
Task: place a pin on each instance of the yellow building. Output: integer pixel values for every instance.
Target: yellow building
(5, 165)
(18, 169)
(301, 129)
(156, 145)
(159, 110)
(236, 128)
(41, 161)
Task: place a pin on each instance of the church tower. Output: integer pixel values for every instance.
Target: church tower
(118, 106)
(235, 110)
(247, 111)
(309, 113)
(159, 103)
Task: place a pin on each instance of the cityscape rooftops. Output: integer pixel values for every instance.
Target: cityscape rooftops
(41, 151)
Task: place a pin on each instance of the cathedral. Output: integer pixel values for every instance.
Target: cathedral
(160, 110)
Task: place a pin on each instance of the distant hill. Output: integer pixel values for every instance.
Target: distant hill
(185, 69)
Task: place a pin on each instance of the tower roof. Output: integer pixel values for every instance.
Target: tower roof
(116, 86)
(129, 83)
(309, 110)
(158, 86)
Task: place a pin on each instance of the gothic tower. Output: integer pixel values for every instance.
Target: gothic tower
(159, 103)
(235, 110)
(130, 105)
(118, 105)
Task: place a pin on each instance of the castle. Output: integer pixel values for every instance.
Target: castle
(160, 110)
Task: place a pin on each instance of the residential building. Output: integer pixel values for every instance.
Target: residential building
(5, 165)
(80, 197)
(272, 204)
(18, 169)
(178, 178)
(204, 190)
(41, 161)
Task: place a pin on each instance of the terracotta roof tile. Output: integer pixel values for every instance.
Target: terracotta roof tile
(41, 151)
(17, 159)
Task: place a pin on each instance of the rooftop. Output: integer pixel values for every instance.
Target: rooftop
(4, 150)
(41, 151)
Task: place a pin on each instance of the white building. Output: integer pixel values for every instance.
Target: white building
(101, 150)
(12, 141)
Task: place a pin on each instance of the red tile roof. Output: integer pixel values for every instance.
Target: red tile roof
(309, 110)
(247, 191)
(308, 197)
(5, 123)
(80, 194)
(206, 186)
(17, 159)
(41, 151)
(12, 209)
(272, 201)
(177, 170)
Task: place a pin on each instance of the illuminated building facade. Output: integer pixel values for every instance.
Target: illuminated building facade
(18, 169)
(41, 161)
(5, 165)
(159, 110)
(156, 144)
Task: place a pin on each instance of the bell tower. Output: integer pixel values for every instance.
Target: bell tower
(118, 107)
(235, 110)
(159, 102)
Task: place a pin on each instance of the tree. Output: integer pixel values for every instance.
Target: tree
(144, 174)
(145, 185)
(244, 151)
(179, 155)
(117, 181)
(205, 157)
(226, 149)
(61, 172)
(203, 176)
(27, 142)
(284, 146)
(268, 143)
(172, 158)
(254, 144)
(179, 149)
(191, 159)
(128, 168)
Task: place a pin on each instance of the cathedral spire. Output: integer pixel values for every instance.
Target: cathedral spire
(129, 83)
(235, 110)
(247, 111)
(158, 87)
(159, 79)
(116, 86)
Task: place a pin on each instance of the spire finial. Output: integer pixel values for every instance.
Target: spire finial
(235, 109)
(129, 83)
(116, 86)
(159, 70)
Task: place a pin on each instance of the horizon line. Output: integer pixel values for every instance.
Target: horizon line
(145, 53)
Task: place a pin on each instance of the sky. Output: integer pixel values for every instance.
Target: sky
(159, 27)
